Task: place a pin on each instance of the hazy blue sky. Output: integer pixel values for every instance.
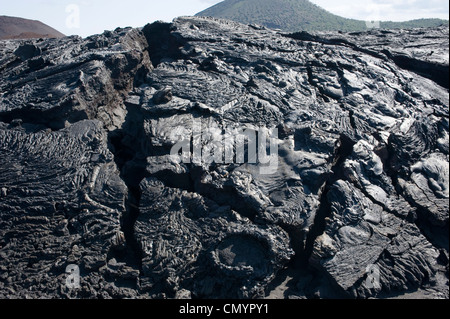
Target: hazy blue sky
(95, 16)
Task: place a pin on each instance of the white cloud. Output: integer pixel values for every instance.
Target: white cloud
(393, 10)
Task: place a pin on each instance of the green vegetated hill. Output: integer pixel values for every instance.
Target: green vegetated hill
(296, 15)
(419, 23)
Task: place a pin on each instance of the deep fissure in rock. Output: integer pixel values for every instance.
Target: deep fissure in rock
(343, 152)
(434, 71)
(162, 43)
(124, 155)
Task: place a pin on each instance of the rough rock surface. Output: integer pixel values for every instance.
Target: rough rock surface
(422, 51)
(88, 125)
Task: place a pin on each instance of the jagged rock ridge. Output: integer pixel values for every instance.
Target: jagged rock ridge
(87, 128)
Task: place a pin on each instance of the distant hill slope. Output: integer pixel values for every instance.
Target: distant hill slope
(297, 15)
(19, 28)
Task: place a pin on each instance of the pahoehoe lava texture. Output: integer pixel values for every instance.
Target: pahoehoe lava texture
(86, 176)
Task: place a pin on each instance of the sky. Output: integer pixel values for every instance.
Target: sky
(87, 17)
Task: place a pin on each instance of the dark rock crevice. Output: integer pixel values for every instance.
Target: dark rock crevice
(124, 145)
(320, 91)
(344, 150)
(438, 73)
(437, 235)
(163, 44)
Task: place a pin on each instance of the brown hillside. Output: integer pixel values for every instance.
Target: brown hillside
(19, 28)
